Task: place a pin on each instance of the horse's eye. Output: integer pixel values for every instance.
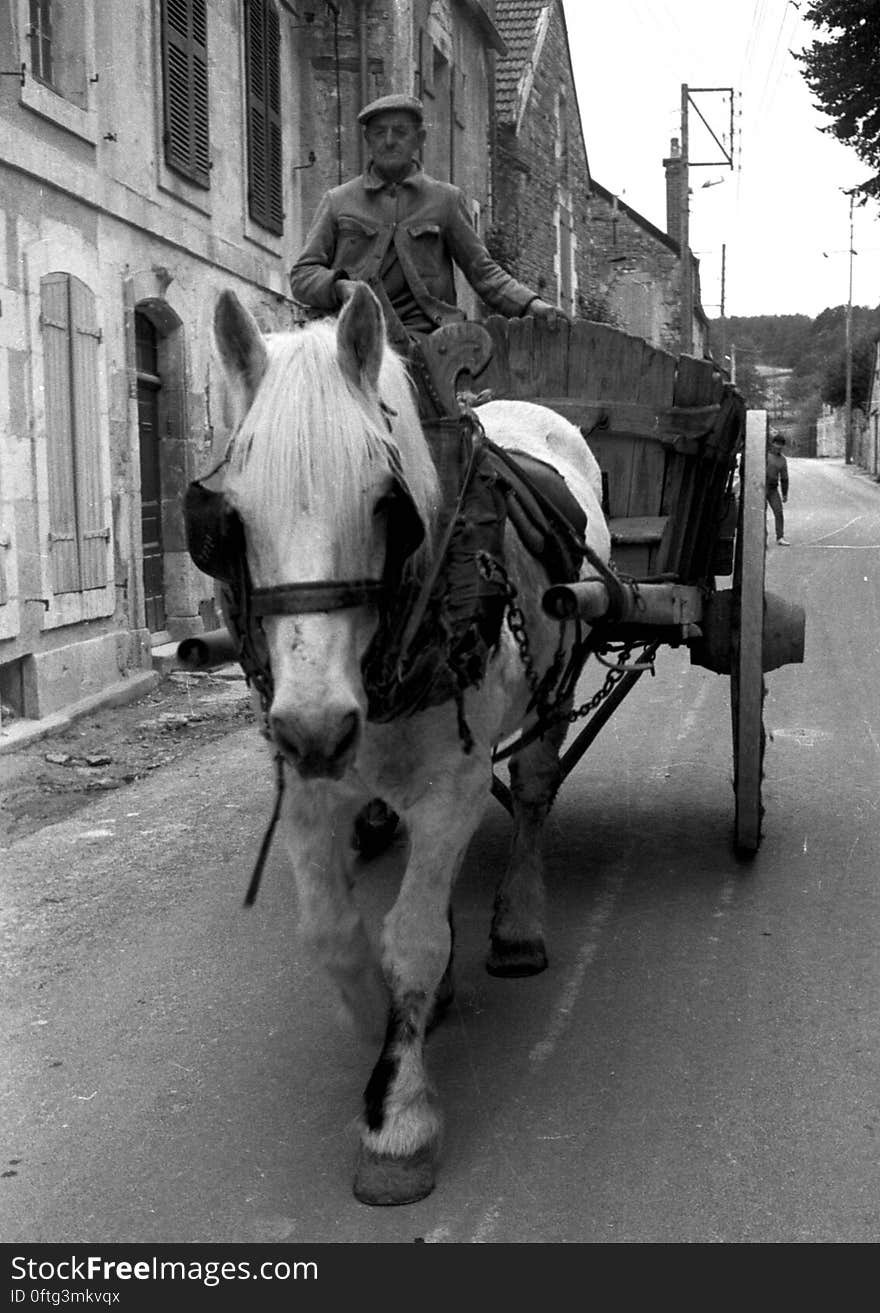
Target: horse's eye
(384, 503)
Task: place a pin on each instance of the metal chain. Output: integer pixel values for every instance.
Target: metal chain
(494, 572)
(614, 676)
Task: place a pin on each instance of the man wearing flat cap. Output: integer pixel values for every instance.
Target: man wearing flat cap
(400, 231)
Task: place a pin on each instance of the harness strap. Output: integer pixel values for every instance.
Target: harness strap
(251, 896)
(319, 595)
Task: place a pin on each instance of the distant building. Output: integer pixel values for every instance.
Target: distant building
(866, 443)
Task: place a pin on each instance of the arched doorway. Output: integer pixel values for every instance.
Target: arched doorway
(149, 386)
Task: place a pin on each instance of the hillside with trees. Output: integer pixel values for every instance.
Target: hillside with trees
(814, 350)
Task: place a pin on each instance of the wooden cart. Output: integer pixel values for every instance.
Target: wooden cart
(683, 480)
(683, 477)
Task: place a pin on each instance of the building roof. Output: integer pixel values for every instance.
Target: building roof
(519, 22)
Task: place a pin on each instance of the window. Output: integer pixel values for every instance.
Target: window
(262, 64)
(40, 37)
(58, 36)
(185, 74)
(78, 535)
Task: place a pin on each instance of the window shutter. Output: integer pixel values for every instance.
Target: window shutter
(263, 64)
(78, 534)
(55, 324)
(92, 531)
(185, 70)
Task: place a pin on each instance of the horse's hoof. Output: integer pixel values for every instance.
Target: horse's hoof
(374, 828)
(524, 957)
(384, 1182)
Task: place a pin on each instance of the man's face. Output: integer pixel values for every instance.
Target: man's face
(394, 138)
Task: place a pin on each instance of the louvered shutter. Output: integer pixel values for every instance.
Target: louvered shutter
(78, 534)
(55, 324)
(263, 64)
(185, 72)
(92, 531)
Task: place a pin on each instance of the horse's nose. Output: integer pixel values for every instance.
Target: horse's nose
(321, 747)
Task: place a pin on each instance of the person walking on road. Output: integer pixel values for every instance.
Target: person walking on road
(777, 485)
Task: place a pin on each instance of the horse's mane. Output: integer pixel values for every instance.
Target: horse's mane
(304, 441)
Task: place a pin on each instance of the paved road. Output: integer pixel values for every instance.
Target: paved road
(700, 1063)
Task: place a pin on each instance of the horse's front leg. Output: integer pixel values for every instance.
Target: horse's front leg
(517, 936)
(400, 1134)
(317, 826)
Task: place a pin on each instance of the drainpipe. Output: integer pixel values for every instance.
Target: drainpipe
(363, 8)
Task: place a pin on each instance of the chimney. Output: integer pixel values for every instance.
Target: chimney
(672, 165)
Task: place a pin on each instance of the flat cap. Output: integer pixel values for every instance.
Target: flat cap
(385, 103)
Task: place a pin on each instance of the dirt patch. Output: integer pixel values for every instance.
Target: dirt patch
(52, 778)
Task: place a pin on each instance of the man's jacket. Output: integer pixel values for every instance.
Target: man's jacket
(777, 472)
(427, 224)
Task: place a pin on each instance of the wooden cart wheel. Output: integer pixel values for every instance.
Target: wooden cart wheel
(746, 673)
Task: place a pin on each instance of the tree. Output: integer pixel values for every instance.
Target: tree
(842, 69)
(750, 383)
(834, 380)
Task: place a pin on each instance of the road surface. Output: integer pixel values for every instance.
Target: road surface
(701, 1062)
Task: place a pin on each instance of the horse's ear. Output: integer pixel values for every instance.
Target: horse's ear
(240, 345)
(360, 338)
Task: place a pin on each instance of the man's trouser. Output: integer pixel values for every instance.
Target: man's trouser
(774, 501)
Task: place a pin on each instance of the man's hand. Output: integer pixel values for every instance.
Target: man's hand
(544, 310)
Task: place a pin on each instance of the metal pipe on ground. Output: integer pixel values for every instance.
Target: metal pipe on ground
(204, 651)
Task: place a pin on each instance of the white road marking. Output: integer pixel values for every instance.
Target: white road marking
(561, 1017)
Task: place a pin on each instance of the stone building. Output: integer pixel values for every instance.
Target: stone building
(596, 257)
(147, 162)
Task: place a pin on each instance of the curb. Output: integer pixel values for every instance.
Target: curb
(23, 732)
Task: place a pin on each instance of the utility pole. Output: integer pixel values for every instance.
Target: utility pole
(686, 335)
(723, 324)
(687, 273)
(847, 437)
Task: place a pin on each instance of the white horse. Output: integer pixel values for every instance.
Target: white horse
(328, 466)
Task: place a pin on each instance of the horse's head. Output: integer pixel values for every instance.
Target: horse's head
(330, 476)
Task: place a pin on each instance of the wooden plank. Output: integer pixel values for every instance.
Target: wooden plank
(615, 454)
(697, 383)
(638, 529)
(633, 559)
(520, 359)
(60, 452)
(656, 378)
(680, 429)
(550, 344)
(646, 479)
(495, 375)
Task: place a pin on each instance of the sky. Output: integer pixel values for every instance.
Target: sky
(778, 223)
